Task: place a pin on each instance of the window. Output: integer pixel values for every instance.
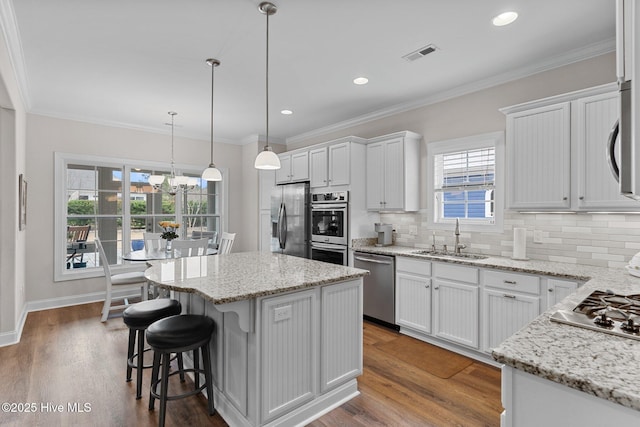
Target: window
(115, 201)
(466, 181)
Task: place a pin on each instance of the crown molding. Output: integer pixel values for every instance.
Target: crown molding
(576, 55)
(11, 35)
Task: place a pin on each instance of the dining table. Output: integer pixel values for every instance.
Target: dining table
(157, 254)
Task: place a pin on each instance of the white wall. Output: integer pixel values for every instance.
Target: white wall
(12, 163)
(46, 135)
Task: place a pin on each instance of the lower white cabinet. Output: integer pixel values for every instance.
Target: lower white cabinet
(557, 290)
(463, 307)
(455, 312)
(413, 301)
(289, 352)
(504, 314)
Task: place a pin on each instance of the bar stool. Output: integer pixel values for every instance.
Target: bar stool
(138, 317)
(177, 334)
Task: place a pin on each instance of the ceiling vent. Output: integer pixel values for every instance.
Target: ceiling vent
(423, 51)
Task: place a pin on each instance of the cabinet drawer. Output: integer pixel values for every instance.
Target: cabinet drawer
(512, 282)
(455, 272)
(413, 265)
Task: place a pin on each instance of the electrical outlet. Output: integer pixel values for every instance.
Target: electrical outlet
(282, 313)
(537, 236)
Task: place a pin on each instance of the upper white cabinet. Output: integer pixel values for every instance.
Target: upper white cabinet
(330, 165)
(557, 153)
(393, 172)
(294, 167)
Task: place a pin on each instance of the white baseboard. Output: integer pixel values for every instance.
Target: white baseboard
(13, 337)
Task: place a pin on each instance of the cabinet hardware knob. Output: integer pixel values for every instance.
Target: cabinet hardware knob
(510, 282)
(581, 197)
(564, 198)
(436, 288)
(426, 286)
(550, 290)
(509, 296)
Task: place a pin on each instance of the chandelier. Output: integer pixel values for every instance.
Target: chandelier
(174, 183)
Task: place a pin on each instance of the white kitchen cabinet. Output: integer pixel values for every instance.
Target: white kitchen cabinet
(557, 290)
(413, 294)
(330, 165)
(592, 120)
(509, 301)
(539, 167)
(504, 314)
(557, 153)
(393, 172)
(294, 167)
(289, 348)
(455, 304)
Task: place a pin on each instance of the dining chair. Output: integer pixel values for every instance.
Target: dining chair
(77, 236)
(153, 241)
(226, 242)
(186, 248)
(129, 281)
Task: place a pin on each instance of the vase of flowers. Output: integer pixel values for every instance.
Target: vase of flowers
(169, 232)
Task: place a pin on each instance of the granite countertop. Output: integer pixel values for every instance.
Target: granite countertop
(240, 276)
(600, 364)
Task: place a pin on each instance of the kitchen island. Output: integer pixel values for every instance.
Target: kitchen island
(288, 341)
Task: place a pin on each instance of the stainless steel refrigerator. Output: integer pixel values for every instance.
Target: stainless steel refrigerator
(290, 216)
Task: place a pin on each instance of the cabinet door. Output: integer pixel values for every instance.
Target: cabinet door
(341, 332)
(539, 169)
(558, 290)
(455, 312)
(592, 121)
(339, 164)
(413, 301)
(284, 173)
(300, 166)
(288, 352)
(375, 176)
(394, 174)
(318, 167)
(504, 314)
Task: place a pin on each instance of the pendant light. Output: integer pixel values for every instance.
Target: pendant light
(176, 183)
(267, 159)
(212, 173)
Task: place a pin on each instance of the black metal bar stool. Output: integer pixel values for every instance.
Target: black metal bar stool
(177, 334)
(138, 317)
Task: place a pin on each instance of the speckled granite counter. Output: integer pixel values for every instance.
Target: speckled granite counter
(245, 275)
(600, 364)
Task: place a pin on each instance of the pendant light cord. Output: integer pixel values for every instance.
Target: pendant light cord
(267, 82)
(213, 66)
(173, 172)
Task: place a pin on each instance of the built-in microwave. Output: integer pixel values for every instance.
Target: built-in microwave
(330, 218)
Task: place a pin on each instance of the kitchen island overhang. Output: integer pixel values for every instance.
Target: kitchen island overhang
(288, 341)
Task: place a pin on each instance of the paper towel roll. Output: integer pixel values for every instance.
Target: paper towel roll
(519, 243)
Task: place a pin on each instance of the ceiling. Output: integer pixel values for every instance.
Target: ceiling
(127, 63)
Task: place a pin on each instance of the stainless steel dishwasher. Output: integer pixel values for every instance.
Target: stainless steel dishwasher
(379, 287)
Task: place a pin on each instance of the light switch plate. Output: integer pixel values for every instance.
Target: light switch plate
(537, 236)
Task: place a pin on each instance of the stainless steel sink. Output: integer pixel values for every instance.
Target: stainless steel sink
(449, 254)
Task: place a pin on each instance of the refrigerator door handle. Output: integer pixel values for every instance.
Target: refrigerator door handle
(283, 227)
(611, 147)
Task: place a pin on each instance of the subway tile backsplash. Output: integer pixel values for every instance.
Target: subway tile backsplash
(606, 240)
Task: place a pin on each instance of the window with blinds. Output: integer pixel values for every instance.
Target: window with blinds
(464, 185)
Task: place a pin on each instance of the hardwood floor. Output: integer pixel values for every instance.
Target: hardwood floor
(68, 357)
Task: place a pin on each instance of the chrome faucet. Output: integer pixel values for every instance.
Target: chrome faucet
(458, 245)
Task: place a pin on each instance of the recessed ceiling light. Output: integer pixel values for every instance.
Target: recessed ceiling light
(361, 80)
(286, 112)
(505, 18)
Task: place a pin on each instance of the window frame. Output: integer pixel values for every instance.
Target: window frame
(61, 162)
(435, 148)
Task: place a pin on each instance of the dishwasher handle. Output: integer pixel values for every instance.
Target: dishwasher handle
(372, 260)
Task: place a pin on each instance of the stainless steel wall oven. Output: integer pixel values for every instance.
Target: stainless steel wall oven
(330, 227)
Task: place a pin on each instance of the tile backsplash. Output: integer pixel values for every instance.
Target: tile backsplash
(606, 240)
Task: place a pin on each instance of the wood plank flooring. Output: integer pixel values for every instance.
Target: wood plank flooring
(68, 357)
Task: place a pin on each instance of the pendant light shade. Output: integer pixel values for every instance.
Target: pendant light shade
(212, 173)
(267, 159)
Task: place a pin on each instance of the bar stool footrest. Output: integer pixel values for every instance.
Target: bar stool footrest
(156, 395)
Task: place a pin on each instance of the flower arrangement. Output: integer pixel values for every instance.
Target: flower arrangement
(169, 228)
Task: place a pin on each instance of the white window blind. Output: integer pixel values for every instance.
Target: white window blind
(464, 169)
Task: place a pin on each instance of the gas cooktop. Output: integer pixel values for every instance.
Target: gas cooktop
(605, 311)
